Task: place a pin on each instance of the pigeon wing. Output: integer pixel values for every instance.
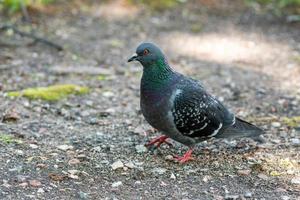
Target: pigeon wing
(197, 114)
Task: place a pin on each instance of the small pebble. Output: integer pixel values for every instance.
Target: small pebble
(83, 195)
(263, 176)
(33, 146)
(276, 124)
(169, 157)
(248, 194)
(110, 110)
(159, 170)
(35, 183)
(65, 147)
(206, 178)
(18, 169)
(116, 165)
(173, 176)
(116, 184)
(141, 149)
(130, 165)
(24, 184)
(285, 197)
(244, 172)
(21, 178)
(108, 94)
(40, 190)
(19, 152)
(73, 176)
(296, 180)
(74, 161)
(231, 197)
(295, 141)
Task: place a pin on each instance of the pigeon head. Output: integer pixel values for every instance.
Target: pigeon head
(148, 54)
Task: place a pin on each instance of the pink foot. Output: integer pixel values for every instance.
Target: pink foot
(186, 157)
(159, 140)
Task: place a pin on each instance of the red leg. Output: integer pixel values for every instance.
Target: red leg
(186, 157)
(159, 140)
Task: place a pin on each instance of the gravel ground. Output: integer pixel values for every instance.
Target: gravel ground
(91, 146)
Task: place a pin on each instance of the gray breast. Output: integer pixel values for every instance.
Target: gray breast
(155, 108)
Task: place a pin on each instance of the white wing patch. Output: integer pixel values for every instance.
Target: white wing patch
(233, 121)
(193, 131)
(216, 131)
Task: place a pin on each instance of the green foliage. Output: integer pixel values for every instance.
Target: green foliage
(51, 93)
(157, 4)
(292, 122)
(279, 7)
(8, 139)
(16, 5)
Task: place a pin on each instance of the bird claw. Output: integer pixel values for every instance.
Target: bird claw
(158, 141)
(185, 158)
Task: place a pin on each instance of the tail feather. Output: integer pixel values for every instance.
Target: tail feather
(242, 128)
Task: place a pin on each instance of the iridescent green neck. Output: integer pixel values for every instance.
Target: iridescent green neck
(156, 74)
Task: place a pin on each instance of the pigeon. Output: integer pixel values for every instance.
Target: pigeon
(181, 108)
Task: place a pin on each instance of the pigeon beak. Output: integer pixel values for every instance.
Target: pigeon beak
(133, 58)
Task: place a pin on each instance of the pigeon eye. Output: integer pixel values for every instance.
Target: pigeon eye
(146, 51)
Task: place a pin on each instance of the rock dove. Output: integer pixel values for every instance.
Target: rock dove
(181, 108)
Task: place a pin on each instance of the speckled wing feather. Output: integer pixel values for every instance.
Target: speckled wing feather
(197, 114)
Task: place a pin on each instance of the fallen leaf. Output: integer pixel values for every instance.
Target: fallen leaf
(40, 165)
(57, 177)
(35, 183)
(74, 161)
(11, 116)
(24, 184)
(244, 172)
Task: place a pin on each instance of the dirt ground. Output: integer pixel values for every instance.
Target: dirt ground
(69, 149)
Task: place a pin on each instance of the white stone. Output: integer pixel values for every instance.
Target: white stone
(116, 165)
(65, 147)
(159, 170)
(33, 146)
(276, 124)
(296, 180)
(295, 141)
(141, 149)
(285, 197)
(116, 184)
(40, 190)
(173, 176)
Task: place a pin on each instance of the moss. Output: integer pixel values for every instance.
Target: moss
(292, 122)
(156, 4)
(296, 59)
(51, 93)
(8, 139)
(280, 165)
(275, 173)
(116, 43)
(196, 28)
(278, 7)
(102, 77)
(16, 5)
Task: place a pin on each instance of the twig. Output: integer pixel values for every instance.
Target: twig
(24, 11)
(32, 36)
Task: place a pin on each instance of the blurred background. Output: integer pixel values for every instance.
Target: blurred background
(246, 52)
(259, 35)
